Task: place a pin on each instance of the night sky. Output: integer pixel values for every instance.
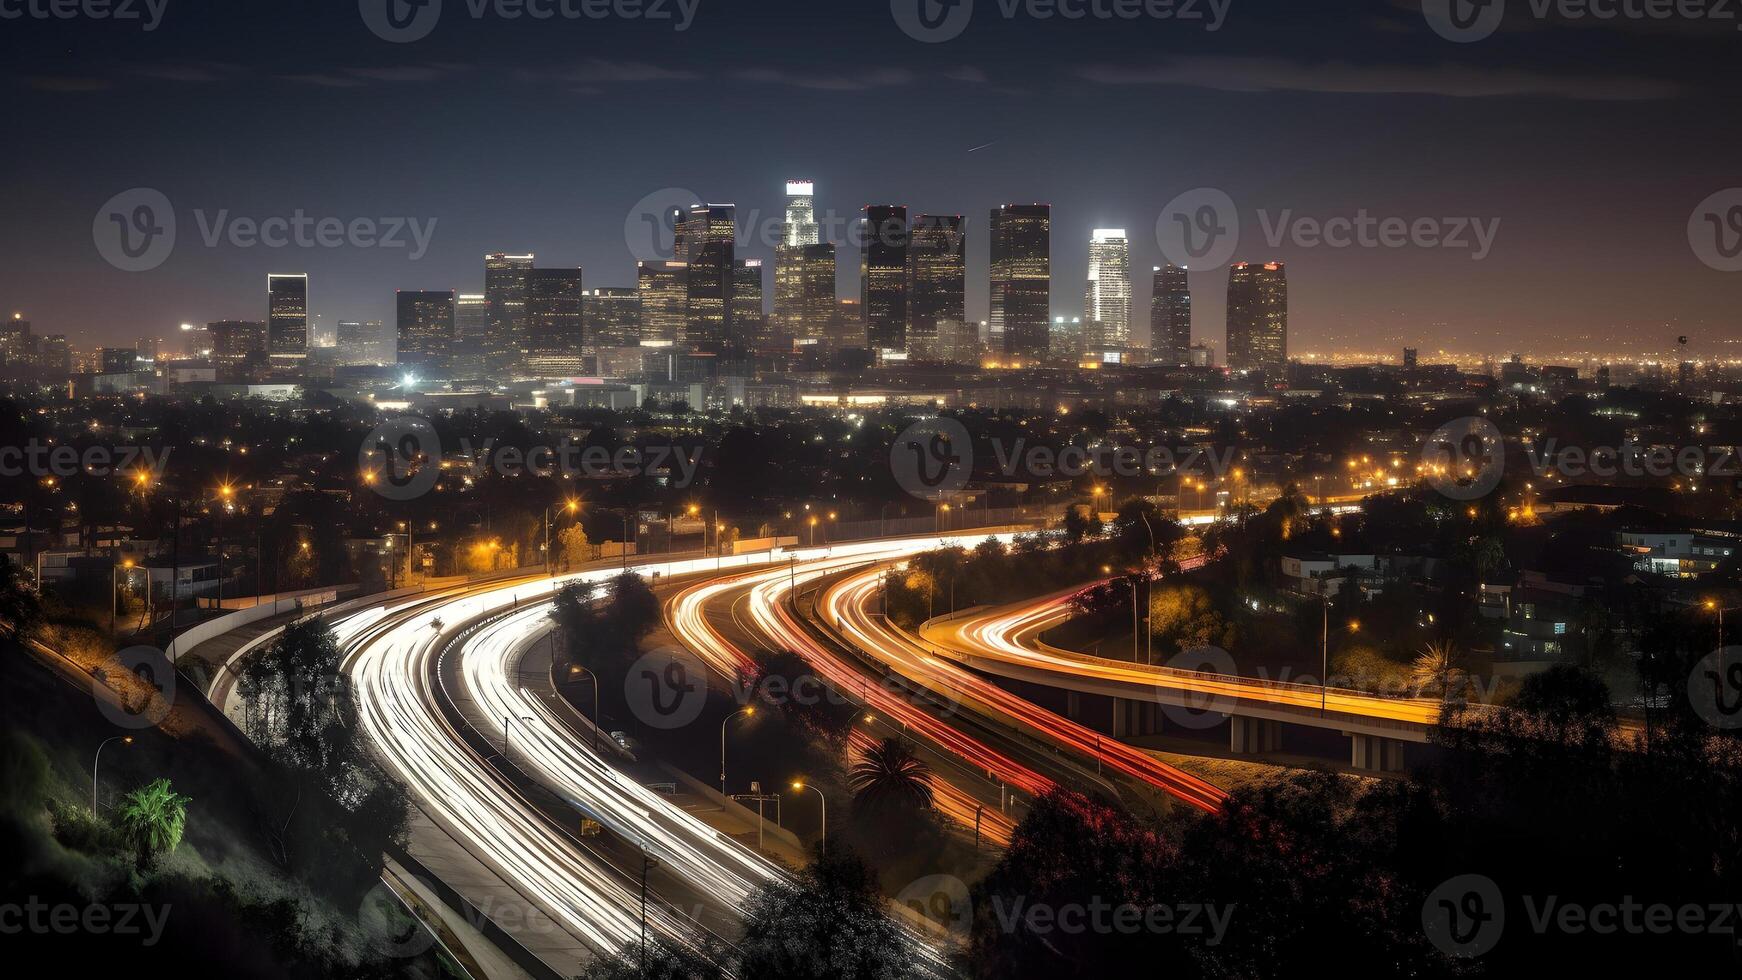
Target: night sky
(1592, 143)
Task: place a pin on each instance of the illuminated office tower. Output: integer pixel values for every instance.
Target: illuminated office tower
(1170, 317)
(234, 340)
(471, 327)
(54, 357)
(816, 305)
(939, 282)
(613, 317)
(1257, 317)
(555, 323)
(505, 308)
(707, 241)
(426, 328)
(883, 278)
(663, 288)
(1021, 278)
(798, 233)
(287, 319)
(749, 321)
(1107, 301)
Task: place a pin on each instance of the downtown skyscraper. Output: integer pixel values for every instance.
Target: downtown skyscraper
(816, 309)
(939, 284)
(663, 289)
(425, 328)
(1258, 317)
(1021, 279)
(706, 241)
(555, 323)
(287, 319)
(883, 278)
(505, 298)
(798, 233)
(1107, 300)
(1170, 317)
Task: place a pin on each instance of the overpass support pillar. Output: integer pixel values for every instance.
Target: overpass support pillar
(1251, 736)
(1135, 718)
(1371, 753)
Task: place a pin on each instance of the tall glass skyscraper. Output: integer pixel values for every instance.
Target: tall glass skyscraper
(287, 319)
(426, 327)
(555, 323)
(505, 296)
(883, 277)
(798, 233)
(816, 308)
(939, 279)
(1021, 279)
(1258, 317)
(1107, 302)
(707, 241)
(664, 291)
(1170, 318)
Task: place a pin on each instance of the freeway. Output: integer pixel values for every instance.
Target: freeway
(393, 654)
(770, 609)
(1007, 641)
(847, 605)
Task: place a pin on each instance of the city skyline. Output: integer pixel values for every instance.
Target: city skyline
(1592, 237)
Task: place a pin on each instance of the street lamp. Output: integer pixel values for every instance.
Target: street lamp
(1712, 605)
(1325, 652)
(801, 787)
(577, 668)
(123, 739)
(747, 711)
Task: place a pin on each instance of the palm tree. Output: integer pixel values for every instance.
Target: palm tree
(1436, 671)
(890, 773)
(152, 819)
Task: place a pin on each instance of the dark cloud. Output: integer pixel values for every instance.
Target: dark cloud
(1233, 74)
